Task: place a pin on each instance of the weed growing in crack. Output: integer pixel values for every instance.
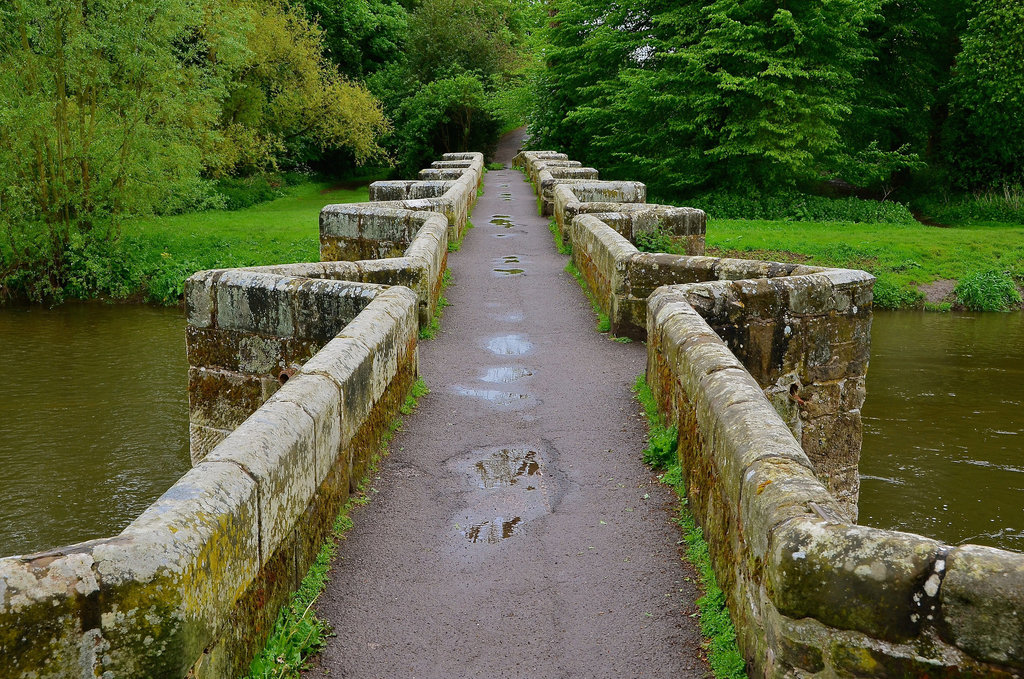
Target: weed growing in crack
(561, 245)
(715, 623)
(455, 246)
(603, 324)
(430, 331)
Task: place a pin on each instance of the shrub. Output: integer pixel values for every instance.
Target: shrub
(240, 193)
(889, 294)
(799, 207)
(987, 291)
(1004, 204)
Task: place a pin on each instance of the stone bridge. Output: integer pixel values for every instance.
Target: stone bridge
(296, 371)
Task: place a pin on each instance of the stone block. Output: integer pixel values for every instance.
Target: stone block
(276, 448)
(255, 302)
(321, 399)
(850, 577)
(173, 576)
(982, 603)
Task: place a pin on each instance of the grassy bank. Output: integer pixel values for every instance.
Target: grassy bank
(916, 265)
(285, 230)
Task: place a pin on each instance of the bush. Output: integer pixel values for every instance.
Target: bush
(799, 207)
(240, 193)
(1005, 204)
(889, 294)
(987, 291)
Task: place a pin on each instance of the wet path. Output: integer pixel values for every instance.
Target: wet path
(514, 531)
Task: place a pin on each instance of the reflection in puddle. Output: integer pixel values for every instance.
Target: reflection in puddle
(502, 220)
(506, 467)
(510, 259)
(505, 374)
(509, 272)
(509, 345)
(492, 531)
(491, 395)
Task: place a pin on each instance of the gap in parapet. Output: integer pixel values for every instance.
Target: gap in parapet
(761, 366)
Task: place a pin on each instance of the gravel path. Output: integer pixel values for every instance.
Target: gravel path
(514, 530)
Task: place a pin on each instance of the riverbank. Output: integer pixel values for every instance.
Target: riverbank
(917, 266)
(280, 231)
(151, 259)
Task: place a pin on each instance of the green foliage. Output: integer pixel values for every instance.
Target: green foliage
(445, 115)
(901, 256)
(691, 95)
(987, 291)
(1004, 204)
(564, 247)
(462, 35)
(419, 389)
(455, 246)
(656, 240)
(112, 111)
(889, 294)
(800, 207)
(985, 137)
(360, 36)
(715, 622)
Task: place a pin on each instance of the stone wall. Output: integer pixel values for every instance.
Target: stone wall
(811, 593)
(296, 371)
(761, 366)
(806, 344)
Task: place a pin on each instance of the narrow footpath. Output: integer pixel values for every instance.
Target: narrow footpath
(514, 531)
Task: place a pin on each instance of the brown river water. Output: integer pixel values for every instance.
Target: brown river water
(94, 423)
(93, 419)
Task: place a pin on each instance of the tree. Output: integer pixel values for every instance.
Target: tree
(984, 139)
(288, 102)
(361, 36)
(103, 106)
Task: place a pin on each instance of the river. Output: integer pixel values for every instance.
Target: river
(943, 448)
(93, 419)
(94, 423)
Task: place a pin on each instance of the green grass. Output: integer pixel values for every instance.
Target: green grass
(284, 230)
(299, 632)
(901, 256)
(455, 246)
(560, 244)
(429, 332)
(715, 623)
(603, 324)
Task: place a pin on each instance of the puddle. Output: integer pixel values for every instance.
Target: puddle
(506, 467)
(505, 374)
(504, 221)
(492, 395)
(493, 531)
(510, 259)
(510, 272)
(509, 345)
(506, 488)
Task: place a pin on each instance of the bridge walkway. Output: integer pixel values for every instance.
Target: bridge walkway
(514, 530)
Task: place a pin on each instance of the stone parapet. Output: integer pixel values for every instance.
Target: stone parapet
(193, 585)
(296, 371)
(811, 593)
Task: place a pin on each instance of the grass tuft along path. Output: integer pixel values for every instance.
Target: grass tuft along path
(515, 530)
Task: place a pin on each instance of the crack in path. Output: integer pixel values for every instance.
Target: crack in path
(516, 532)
